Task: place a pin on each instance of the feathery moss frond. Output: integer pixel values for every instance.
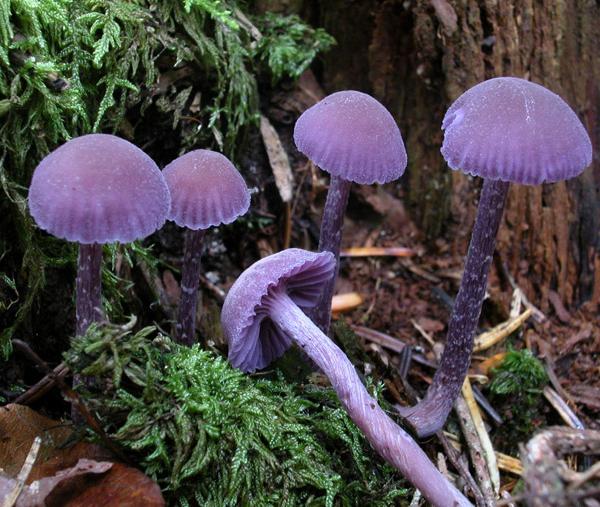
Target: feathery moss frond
(208, 433)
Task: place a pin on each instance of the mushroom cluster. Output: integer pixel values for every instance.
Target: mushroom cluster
(99, 188)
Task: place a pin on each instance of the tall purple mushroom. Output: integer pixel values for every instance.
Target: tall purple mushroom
(504, 130)
(354, 138)
(264, 312)
(97, 189)
(206, 190)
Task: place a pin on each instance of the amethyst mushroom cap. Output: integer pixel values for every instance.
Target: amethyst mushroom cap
(264, 312)
(254, 339)
(510, 129)
(206, 190)
(97, 189)
(353, 137)
(504, 130)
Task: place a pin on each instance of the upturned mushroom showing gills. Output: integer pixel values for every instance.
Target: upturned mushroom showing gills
(206, 190)
(504, 130)
(264, 312)
(353, 137)
(97, 189)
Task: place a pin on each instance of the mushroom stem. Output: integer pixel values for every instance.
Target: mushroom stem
(386, 437)
(88, 287)
(429, 415)
(190, 280)
(330, 240)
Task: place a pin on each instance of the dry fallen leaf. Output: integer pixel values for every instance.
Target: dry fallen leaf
(122, 485)
(62, 473)
(280, 164)
(38, 492)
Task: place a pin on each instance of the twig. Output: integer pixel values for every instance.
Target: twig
(13, 496)
(506, 462)
(73, 397)
(214, 289)
(484, 438)
(545, 473)
(416, 499)
(565, 412)
(538, 315)
(475, 451)
(377, 251)
(461, 467)
(389, 342)
(423, 333)
(44, 385)
(485, 405)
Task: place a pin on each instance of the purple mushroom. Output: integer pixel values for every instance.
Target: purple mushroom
(206, 190)
(264, 312)
(354, 138)
(97, 189)
(504, 130)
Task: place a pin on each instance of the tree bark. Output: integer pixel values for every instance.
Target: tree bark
(419, 56)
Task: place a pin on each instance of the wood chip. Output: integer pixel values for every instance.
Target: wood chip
(346, 302)
(491, 362)
(377, 251)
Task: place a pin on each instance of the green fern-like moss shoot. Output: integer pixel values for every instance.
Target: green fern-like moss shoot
(212, 436)
(516, 390)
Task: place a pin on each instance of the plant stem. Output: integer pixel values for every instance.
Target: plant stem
(190, 280)
(429, 415)
(386, 437)
(88, 287)
(330, 240)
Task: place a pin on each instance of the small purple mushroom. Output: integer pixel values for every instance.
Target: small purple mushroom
(354, 138)
(264, 312)
(206, 190)
(504, 130)
(97, 189)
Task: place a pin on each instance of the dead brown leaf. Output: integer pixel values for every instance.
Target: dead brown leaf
(122, 485)
(38, 492)
(60, 475)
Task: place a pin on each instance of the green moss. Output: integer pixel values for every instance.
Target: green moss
(288, 46)
(209, 434)
(516, 389)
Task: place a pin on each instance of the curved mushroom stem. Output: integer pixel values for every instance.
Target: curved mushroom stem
(88, 286)
(190, 279)
(330, 240)
(430, 414)
(386, 437)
